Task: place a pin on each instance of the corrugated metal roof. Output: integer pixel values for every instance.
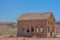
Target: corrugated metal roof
(31, 16)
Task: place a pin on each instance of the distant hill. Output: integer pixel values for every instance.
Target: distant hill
(8, 25)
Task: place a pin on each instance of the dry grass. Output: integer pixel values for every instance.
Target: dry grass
(14, 31)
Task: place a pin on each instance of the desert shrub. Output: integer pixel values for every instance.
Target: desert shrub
(11, 35)
(23, 39)
(1, 33)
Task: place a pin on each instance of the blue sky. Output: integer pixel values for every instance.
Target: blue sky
(10, 10)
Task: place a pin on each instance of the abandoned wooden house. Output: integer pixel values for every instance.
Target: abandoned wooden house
(36, 25)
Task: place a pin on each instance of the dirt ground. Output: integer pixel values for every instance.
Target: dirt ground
(29, 38)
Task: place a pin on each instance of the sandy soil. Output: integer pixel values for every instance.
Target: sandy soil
(29, 38)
